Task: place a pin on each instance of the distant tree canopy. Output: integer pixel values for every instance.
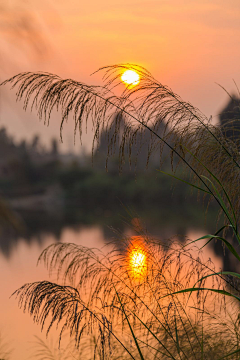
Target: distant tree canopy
(144, 152)
(19, 159)
(230, 119)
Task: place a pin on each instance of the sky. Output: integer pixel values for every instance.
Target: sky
(188, 45)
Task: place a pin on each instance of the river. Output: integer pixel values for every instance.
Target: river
(17, 328)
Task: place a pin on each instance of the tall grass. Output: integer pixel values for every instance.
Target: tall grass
(131, 310)
(178, 306)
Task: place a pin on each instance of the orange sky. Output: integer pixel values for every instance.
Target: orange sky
(187, 45)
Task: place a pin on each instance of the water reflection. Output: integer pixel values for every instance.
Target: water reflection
(37, 225)
(20, 268)
(137, 257)
(18, 328)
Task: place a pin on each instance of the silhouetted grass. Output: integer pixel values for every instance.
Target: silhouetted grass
(179, 307)
(97, 294)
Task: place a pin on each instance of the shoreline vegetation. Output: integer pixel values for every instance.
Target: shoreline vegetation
(48, 191)
(148, 299)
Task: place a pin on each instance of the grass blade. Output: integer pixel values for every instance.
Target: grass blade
(227, 243)
(223, 292)
(186, 182)
(233, 274)
(176, 332)
(130, 327)
(154, 336)
(230, 354)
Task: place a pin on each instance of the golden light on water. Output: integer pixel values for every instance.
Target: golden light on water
(137, 258)
(137, 261)
(130, 78)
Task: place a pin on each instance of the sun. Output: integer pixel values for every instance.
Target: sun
(130, 78)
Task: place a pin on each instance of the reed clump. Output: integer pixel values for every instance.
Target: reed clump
(178, 306)
(130, 310)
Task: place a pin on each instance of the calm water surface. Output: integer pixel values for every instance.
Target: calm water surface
(17, 328)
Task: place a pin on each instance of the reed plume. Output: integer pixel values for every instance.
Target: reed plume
(192, 139)
(175, 305)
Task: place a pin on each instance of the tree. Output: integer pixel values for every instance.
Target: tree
(230, 119)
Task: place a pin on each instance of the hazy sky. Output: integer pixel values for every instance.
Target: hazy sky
(187, 45)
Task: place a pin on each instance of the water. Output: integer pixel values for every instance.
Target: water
(17, 328)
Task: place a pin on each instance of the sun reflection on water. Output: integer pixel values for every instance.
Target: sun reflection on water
(137, 257)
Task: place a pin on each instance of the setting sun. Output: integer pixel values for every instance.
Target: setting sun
(130, 78)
